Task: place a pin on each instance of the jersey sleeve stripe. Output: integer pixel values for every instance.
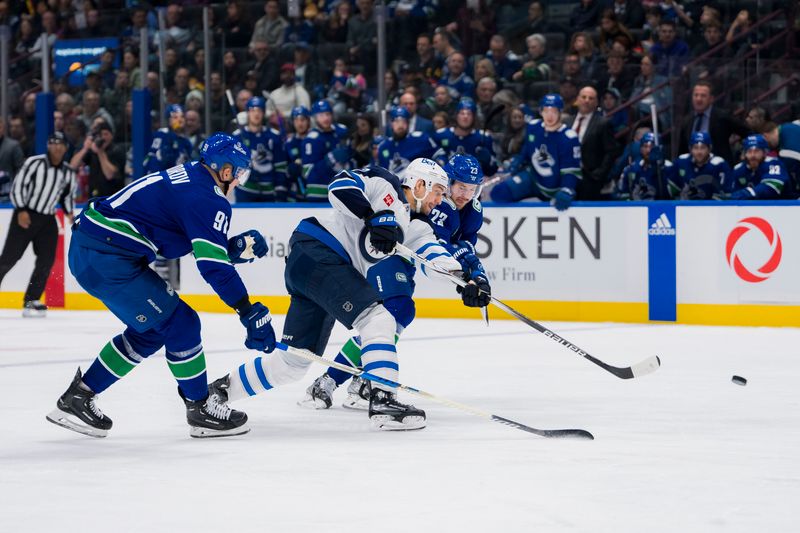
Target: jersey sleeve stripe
(209, 251)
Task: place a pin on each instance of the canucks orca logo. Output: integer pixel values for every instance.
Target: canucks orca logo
(367, 251)
(543, 162)
(262, 159)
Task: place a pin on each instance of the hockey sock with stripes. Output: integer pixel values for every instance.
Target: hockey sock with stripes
(116, 359)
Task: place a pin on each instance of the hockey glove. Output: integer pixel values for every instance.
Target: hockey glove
(384, 233)
(743, 194)
(245, 247)
(477, 293)
(464, 253)
(260, 335)
(563, 199)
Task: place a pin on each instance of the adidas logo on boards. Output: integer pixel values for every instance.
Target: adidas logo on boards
(661, 226)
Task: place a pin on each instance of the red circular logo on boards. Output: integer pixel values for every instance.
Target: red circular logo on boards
(776, 249)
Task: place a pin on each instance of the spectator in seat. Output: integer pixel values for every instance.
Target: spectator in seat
(535, 64)
(427, 62)
(289, 95)
(706, 117)
(584, 16)
(670, 53)
(598, 146)
(92, 110)
(457, 78)
(265, 65)
(610, 29)
(506, 62)
(583, 45)
(629, 12)
(271, 27)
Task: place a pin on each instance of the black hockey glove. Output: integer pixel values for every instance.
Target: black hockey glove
(384, 233)
(477, 293)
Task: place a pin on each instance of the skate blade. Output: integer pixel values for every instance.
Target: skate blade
(313, 403)
(388, 423)
(71, 422)
(356, 403)
(32, 313)
(208, 433)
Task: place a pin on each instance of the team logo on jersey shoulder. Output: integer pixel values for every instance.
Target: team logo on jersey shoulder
(476, 204)
(401, 277)
(219, 191)
(388, 200)
(141, 318)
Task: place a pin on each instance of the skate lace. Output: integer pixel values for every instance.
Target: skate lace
(96, 410)
(216, 408)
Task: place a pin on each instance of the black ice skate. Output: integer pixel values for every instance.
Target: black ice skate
(358, 394)
(213, 418)
(320, 394)
(76, 410)
(387, 413)
(34, 309)
(220, 387)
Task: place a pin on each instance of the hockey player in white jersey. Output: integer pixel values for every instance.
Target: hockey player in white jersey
(326, 278)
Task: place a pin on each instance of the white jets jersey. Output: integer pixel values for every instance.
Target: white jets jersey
(356, 193)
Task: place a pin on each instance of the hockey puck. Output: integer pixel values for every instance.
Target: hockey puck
(739, 380)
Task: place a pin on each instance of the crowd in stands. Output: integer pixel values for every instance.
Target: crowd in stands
(477, 69)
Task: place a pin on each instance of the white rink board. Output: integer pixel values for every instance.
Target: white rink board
(704, 274)
(588, 254)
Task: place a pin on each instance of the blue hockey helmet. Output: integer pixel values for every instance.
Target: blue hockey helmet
(258, 102)
(399, 112)
(321, 106)
(700, 137)
(468, 104)
(173, 108)
(221, 149)
(755, 141)
(552, 100)
(300, 111)
(464, 168)
(648, 137)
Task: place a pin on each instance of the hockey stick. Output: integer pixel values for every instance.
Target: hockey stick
(229, 96)
(647, 366)
(549, 433)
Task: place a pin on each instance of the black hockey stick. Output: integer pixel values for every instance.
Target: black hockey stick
(651, 364)
(549, 433)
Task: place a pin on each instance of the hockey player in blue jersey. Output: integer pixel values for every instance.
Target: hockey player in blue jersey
(456, 222)
(758, 177)
(786, 140)
(698, 175)
(267, 182)
(181, 210)
(325, 152)
(326, 277)
(396, 152)
(463, 138)
(647, 177)
(170, 146)
(549, 165)
(293, 145)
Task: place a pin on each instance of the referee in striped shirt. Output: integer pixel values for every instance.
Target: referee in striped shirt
(42, 182)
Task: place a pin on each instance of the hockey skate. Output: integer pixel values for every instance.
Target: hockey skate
(358, 394)
(220, 387)
(76, 410)
(320, 394)
(213, 418)
(34, 309)
(386, 413)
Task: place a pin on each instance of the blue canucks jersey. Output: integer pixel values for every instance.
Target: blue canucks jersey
(552, 157)
(463, 85)
(167, 150)
(171, 213)
(294, 148)
(768, 181)
(698, 182)
(475, 143)
(268, 174)
(317, 170)
(640, 181)
(454, 227)
(395, 155)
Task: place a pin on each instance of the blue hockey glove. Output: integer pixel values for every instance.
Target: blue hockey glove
(464, 253)
(477, 293)
(656, 155)
(384, 233)
(743, 194)
(260, 335)
(563, 199)
(242, 249)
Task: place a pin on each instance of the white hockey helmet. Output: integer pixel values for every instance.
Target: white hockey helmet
(427, 170)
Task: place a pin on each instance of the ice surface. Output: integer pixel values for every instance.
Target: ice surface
(683, 449)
